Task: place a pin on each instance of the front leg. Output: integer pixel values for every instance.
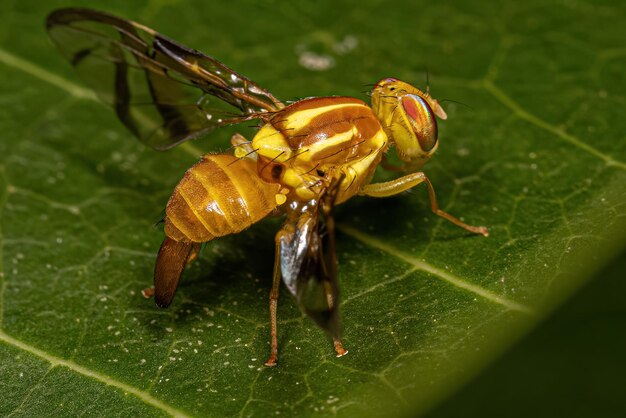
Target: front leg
(393, 187)
(407, 167)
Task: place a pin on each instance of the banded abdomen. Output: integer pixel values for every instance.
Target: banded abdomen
(220, 195)
(302, 143)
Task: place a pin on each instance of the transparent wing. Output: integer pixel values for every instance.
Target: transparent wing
(164, 92)
(308, 266)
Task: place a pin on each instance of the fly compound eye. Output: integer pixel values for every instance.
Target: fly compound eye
(422, 120)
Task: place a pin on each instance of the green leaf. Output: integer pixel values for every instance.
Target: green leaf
(539, 157)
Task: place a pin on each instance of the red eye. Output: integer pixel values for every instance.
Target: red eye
(422, 120)
(410, 107)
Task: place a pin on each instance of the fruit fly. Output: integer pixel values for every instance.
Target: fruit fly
(306, 158)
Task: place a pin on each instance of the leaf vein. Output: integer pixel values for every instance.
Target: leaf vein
(107, 380)
(525, 115)
(443, 275)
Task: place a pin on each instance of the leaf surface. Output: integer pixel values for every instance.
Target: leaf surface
(540, 158)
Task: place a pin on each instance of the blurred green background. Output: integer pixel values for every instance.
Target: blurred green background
(571, 365)
(437, 322)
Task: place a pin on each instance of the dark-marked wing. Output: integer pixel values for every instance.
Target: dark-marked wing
(308, 266)
(164, 92)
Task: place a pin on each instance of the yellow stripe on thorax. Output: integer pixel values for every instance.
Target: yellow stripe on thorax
(271, 143)
(314, 149)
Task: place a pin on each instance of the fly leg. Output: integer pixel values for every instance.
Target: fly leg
(271, 361)
(195, 252)
(243, 147)
(331, 263)
(147, 292)
(384, 163)
(336, 340)
(409, 181)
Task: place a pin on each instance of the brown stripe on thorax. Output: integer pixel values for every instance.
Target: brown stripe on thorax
(329, 123)
(357, 121)
(337, 121)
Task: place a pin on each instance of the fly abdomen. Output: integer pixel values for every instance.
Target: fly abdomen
(220, 195)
